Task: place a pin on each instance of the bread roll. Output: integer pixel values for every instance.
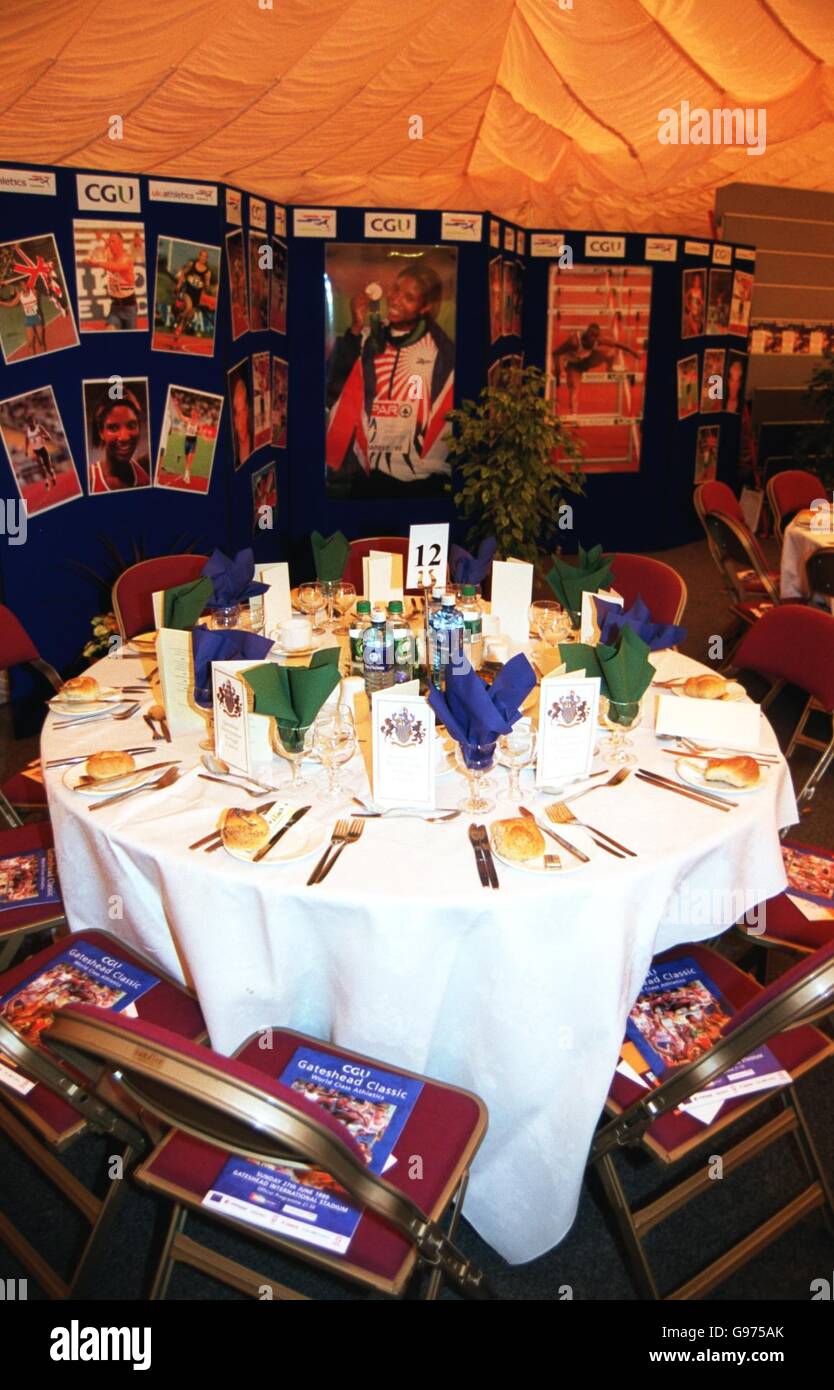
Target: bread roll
(101, 767)
(81, 688)
(244, 829)
(738, 771)
(707, 687)
(518, 839)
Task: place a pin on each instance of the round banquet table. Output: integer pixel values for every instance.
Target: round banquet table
(520, 995)
(800, 542)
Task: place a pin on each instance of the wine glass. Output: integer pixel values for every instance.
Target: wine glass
(334, 739)
(226, 616)
(516, 750)
(549, 621)
(293, 742)
(343, 598)
(475, 760)
(619, 716)
(311, 600)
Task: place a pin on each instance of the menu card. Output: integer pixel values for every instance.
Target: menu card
(382, 576)
(512, 593)
(231, 721)
(589, 628)
(176, 679)
(568, 710)
(403, 751)
(276, 601)
(730, 723)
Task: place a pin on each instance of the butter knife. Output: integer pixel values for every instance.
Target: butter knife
(477, 850)
(294, 818)
(566, 844)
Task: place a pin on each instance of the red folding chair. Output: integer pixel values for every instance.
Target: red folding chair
(132, 591)
(794, 645)
(788, 493)
(660, 586)
(47, 1104)
(222, 1107)
(736, 552)
(18, 649)
(779, 1016)
(780, 923)
(394, 545)
(17, 923)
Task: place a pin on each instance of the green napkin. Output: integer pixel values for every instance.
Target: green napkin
(293, 695)
(182, 605)
(625, 670)
(569, 582)
(330, 555)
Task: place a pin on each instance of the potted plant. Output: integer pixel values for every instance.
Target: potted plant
(515, 462)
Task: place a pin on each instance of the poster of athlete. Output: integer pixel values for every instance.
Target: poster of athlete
(262, 419)
(718, 304)
(390, 343)
(185, 456)
(35, 311)
(693, 304)
(280, 396)
(111, 281)
(687, 386)
(238, 293)
(741, 303)
(264, 494)
(278, 288)
(117, 435)
(706, 453)
(597, 349)
(37, 449)
(185, 296)
(258, 282)
(495, 300)
(239, 381)
(712, 380)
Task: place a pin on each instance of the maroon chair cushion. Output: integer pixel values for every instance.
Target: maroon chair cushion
(17, 841)
(133, 590)
(21, 790)
(439, 1129)
(780, 986)
(660, 586)
(784, 922)
(16, 646)
(718, 497)
(794, 490)
(792, 643)
(794, 1050)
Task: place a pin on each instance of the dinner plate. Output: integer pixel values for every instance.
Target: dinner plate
(735, 691)
(82, 709)
(574, 834)
(304, 838)
(694, 778)
(72, 776)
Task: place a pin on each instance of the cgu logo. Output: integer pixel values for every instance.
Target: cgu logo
(96, 193)
(391, 224)
(605, 246)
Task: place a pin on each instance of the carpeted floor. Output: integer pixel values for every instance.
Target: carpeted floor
(588, 1261)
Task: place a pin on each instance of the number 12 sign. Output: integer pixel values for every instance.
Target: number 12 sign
(428, 549)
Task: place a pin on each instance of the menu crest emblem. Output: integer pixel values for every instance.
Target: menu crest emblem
(403, 729)
(569, 710)
(230, 700)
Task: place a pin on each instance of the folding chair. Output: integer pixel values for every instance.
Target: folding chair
(780, 923)
(18, 923)
(43, 1120)
(133, 590)
(789, 492)
(221, 1107)
(794, 645)
(779, 1016)
(820, 571)
(736, 552)
(658, 584)
(18, 649)
(394, 545)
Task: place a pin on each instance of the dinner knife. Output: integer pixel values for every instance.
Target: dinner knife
(480, 862)
(696, 791)
(294, 818)
(82, 757)
(483, 840)
(103, 782)
(566, 844)
(681, 791)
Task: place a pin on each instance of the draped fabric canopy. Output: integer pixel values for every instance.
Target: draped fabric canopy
(542, 110)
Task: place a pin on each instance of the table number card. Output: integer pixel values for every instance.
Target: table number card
(231, 722)
(512, 593)
(428, 551)
(382, 576)
(277, 602)
(403, 751)
(589, 617)
(176, 679)
(568, 730)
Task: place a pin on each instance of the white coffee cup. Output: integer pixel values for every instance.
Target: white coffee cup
(296, 634)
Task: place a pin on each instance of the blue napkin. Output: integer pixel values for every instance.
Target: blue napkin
(476, 714)
(233, 580)
(208, 645)
(472, 569)
(613, 618)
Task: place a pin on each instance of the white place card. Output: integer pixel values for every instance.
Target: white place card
(158, 602)
(724, 723)
(176, 679)
(277, 602)
(428, 552)
(568, 708)
(512, 593)
(589, 619)
(382, 576)
(231, 720)
(403, 752)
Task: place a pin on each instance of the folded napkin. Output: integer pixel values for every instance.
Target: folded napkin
(476, 714)
(624, 668)
(293, 695)
(472, 569)
(613, 618)
(208, 645)
(232, 580)
(182, 605)
(569, 582)
(329, 555)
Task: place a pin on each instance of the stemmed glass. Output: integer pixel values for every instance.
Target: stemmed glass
(334, 739)
(475, 760)
(549, 621)
(340, 595)
(312, 599)
(516, 750)
(620, 717)
(293, 742)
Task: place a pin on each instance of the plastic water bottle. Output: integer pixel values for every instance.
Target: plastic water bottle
(356, 637)
(403, 641)
(445, 641)
(378, 654)
(473, 641)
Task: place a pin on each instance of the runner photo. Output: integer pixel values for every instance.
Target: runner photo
(262, 420)
(240, 404)
(734, 382)
(713, 367)
(264, 493)
(706, 453)
(35, 312)
(111, 281)
(278, 288)
(718, 304)
(687, 387)
(117, 435)
(694, 304)
(280, 398)
(238, 293)
(495, 294)
(190, 425)
(259, 278)
(185, 296)
(38, 452)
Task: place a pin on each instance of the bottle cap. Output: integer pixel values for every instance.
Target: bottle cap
(395, 606)
(468, 590)
(448, 600)
(378, 615)
(437, 591)
(363, 606)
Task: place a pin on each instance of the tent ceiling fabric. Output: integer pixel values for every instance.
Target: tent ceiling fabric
(546, 115)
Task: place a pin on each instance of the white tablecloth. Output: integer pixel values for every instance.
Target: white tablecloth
(519, 995)
(798, 545)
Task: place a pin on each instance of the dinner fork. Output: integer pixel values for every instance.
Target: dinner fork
(96, 719)
(716, 748)
(560, 814)
(349, 834)
(167, 780)
(619, 776)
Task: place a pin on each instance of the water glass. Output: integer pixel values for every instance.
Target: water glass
(226, 616)
(516, 750)
(549, 621)
(342, 599)
(475, 761)
(619, 716)
(293, 743)
(334, 739)
(312, 600)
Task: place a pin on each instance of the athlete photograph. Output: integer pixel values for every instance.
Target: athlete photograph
(239, 381)
(258, 283)
(39, 455)
(278, 288)
(261, 413)
(117, 435)
(279, 402)
(35, 312)
(238, 294)
(188, 440)
(390, 334)
(185, 296)
(111, 279)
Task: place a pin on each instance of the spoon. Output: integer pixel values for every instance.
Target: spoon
(221, 769)
(429, 816)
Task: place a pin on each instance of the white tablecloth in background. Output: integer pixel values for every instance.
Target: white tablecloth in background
(798, 545)
(520, 995)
